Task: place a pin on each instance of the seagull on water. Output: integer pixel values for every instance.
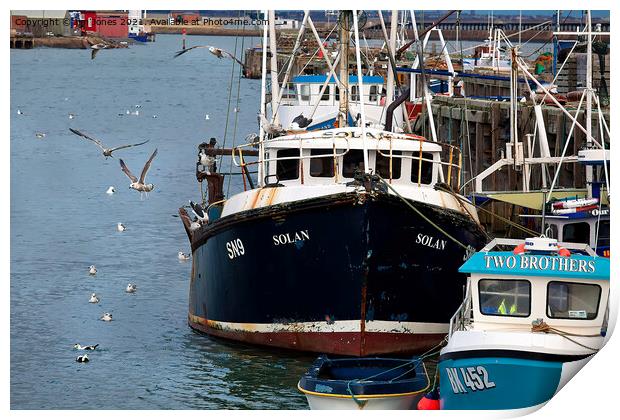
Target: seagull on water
(20, 112)
(71, 115)
(89, 348)
(106, 317)
(106, 152)
(218, 52)
(120, 227)
(93, 299)
(207, 117)
(110, 190)
(82, 359)
(131, 288)
(139, 184)
(40, 135)
(183, 256)
(92, 270)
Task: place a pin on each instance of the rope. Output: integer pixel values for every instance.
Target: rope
(545, 328)
(452, 238)
(234, 140)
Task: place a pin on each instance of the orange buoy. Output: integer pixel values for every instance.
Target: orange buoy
(430, 401)
(519, 249)
(563, 252)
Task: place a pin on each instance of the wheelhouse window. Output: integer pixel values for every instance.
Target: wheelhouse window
(325, 96)
(304, 91)
(337, 93)
(382, 164)
(505, 297)
(288, 168)
(573, 300)
(353, 160)
(355, 96)
(603, 233)
(372, 96)
(322, 166)
(425, 175)
(576, 232)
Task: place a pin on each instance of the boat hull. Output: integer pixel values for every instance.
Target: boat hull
(503, 380)
(352, 274)
(408, 402)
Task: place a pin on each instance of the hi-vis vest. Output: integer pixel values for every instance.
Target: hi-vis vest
(502, 308)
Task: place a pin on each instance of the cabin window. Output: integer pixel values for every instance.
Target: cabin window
(322, 167)
(505, 297)
(572, 300)
(353, 160)
(426, 174)
(325, 96)
(337, 93)
(372, 96)
(355, 93)
(576, 232)
(603, 233)
(382, 164)
(288, 168)
(304, 91)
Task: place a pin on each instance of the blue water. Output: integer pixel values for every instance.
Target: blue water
(62, 221)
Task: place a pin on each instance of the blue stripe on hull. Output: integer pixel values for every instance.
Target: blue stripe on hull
(497, 383)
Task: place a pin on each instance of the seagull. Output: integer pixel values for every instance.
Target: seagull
(92, 270)
(194, 225)
(71, 115)
(207, 117)
(93, 299)
(136, 112)
(82, 359)
(95, 49)
(218, 52)
(199, 212)
(20, 112)
(106, 152)
(110, 190)
(269, 128)
(40, 135)
(183, 256)
(131, 288)
(89, 348)
(136, 184)
(106, 317)
(138, 106)
(154, 115)
(120, 227)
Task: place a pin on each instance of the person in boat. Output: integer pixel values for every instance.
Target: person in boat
(501, 309)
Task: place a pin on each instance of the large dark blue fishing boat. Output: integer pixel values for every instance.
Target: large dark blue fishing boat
(350, 244)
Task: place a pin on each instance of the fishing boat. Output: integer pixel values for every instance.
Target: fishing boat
(349, 244)
(371, 383)
(530, 320)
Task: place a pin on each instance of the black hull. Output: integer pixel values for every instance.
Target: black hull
(355, 280)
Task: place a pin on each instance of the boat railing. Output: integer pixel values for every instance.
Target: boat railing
(463, 315)
(497, 242)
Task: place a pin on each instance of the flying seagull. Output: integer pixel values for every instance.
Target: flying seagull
(218, 52)
(95, 49)
(106, 152)
(136, 184)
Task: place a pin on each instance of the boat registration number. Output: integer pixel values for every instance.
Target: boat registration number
(476, 378)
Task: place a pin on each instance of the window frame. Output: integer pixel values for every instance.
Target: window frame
(331, 160)
(505, 280)
(279, 162)
(598, 303)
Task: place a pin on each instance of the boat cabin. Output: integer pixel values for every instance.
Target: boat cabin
(334, 156)
(529, 287)
(306, 90)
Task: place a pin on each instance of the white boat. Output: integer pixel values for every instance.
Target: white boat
(529, 322)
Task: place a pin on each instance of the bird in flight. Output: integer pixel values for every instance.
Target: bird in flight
(140, 185)
(218, 52)
(106, 152)
(94, 49)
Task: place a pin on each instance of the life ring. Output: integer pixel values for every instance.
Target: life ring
(563, 252)
(519, 249)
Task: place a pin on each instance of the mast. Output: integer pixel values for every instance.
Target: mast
(274, 64)
(261, 132)
(389, 93)
(360, 85)
(589, 169)
(343, 107)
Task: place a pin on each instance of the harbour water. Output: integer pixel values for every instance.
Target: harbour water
(62, 221)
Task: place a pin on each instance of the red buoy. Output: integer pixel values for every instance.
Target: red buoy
(429, 402)
(563, 252)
